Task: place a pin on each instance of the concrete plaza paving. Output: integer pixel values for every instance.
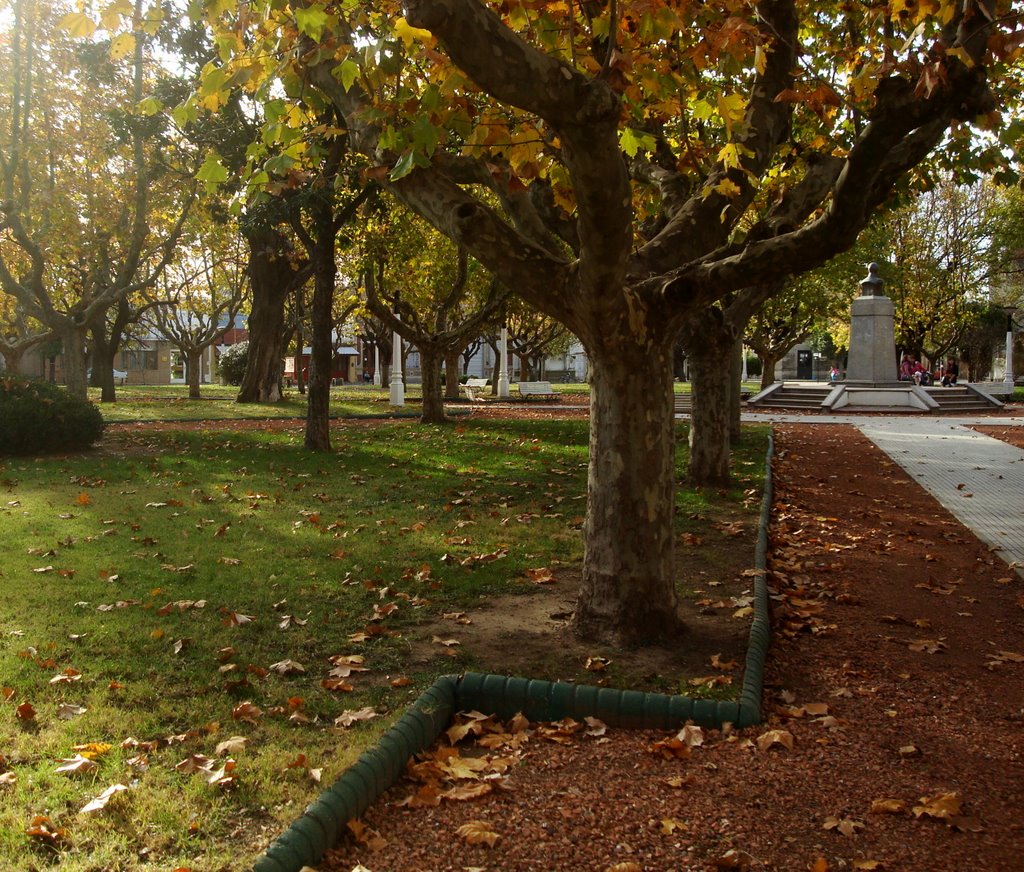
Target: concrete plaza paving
(980, 480)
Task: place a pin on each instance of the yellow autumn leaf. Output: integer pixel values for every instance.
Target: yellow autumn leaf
(410, 34)
(121, 46)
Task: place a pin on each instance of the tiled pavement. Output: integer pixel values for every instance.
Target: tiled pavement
(980, 480)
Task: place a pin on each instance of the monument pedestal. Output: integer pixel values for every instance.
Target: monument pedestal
(872, 356)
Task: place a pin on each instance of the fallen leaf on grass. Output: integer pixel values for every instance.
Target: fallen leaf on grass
(98, 803)
(287, 667)
(8, 779)
(597, 664)
(478, 833)
(231, 746)
(66, 711)
(448, 643)
(542, 575)
(77, 765)
(351, 716)
(246, 711)
(25, 712)
(46, 830)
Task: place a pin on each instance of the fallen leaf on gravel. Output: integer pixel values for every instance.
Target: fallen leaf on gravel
(478, 833)
(819, 865)
(733, 859)
(909, 751)
(775, 737)
(966, 824)
(846, 826)
(366, 835)
(998, 659)
(887, 806)
(942, 806)
(669, 825)
(625, 867)
(595, 727)
(867, 865)
(462, 792)
(679, 781)
(927, 646)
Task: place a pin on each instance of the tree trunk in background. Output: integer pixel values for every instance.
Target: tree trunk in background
(735, 390)
(271, 277)
(194, 371)
(430, 374)
(318, 400)
(709, 420)
(628, 593)
(768, 363)
(451, 375)
(73, 357)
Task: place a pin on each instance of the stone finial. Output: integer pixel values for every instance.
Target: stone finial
(871, 286)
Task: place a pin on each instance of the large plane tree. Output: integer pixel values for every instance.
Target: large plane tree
(624, 165)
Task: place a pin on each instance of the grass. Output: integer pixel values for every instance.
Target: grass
(156, 583)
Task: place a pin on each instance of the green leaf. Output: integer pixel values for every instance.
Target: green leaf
(631, 141)
(347, 72)
(312, 21)
(404, 166)
(149, 106)
(212, 171)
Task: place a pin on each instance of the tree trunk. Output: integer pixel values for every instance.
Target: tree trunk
(12, 361)
(103, 354)
(628, 595)
(194, 371)
(73, 356)
(768, 362)
(270, 276)
(709, 420)
(430, 375)
(451, 375)
(735, 390)
(318, 397)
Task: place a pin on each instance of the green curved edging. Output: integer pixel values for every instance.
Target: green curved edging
(306, 841)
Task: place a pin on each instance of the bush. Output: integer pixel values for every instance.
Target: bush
(232, 363)
(38, 417)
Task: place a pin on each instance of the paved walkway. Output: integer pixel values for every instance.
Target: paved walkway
(980, 480)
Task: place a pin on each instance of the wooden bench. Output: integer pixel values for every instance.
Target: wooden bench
(473, 387)
(683, 403)
(536, 389)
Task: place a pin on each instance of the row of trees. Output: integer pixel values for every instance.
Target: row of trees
(639, 172)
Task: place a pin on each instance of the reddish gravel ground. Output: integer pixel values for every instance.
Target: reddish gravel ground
(897, 672)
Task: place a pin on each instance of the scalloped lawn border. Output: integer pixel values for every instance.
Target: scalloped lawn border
(306, 841)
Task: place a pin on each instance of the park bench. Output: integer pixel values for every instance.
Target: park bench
(536, 389)
(473, 387)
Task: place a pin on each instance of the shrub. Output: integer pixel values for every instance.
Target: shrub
(232, 363)
(38, 417)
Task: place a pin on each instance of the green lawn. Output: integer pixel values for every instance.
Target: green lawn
(169, 583)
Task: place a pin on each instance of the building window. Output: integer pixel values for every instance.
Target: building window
(140, 358)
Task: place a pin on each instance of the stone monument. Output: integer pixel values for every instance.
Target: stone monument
(872, 356)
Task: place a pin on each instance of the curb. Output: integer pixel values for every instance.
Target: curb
(306, 841)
